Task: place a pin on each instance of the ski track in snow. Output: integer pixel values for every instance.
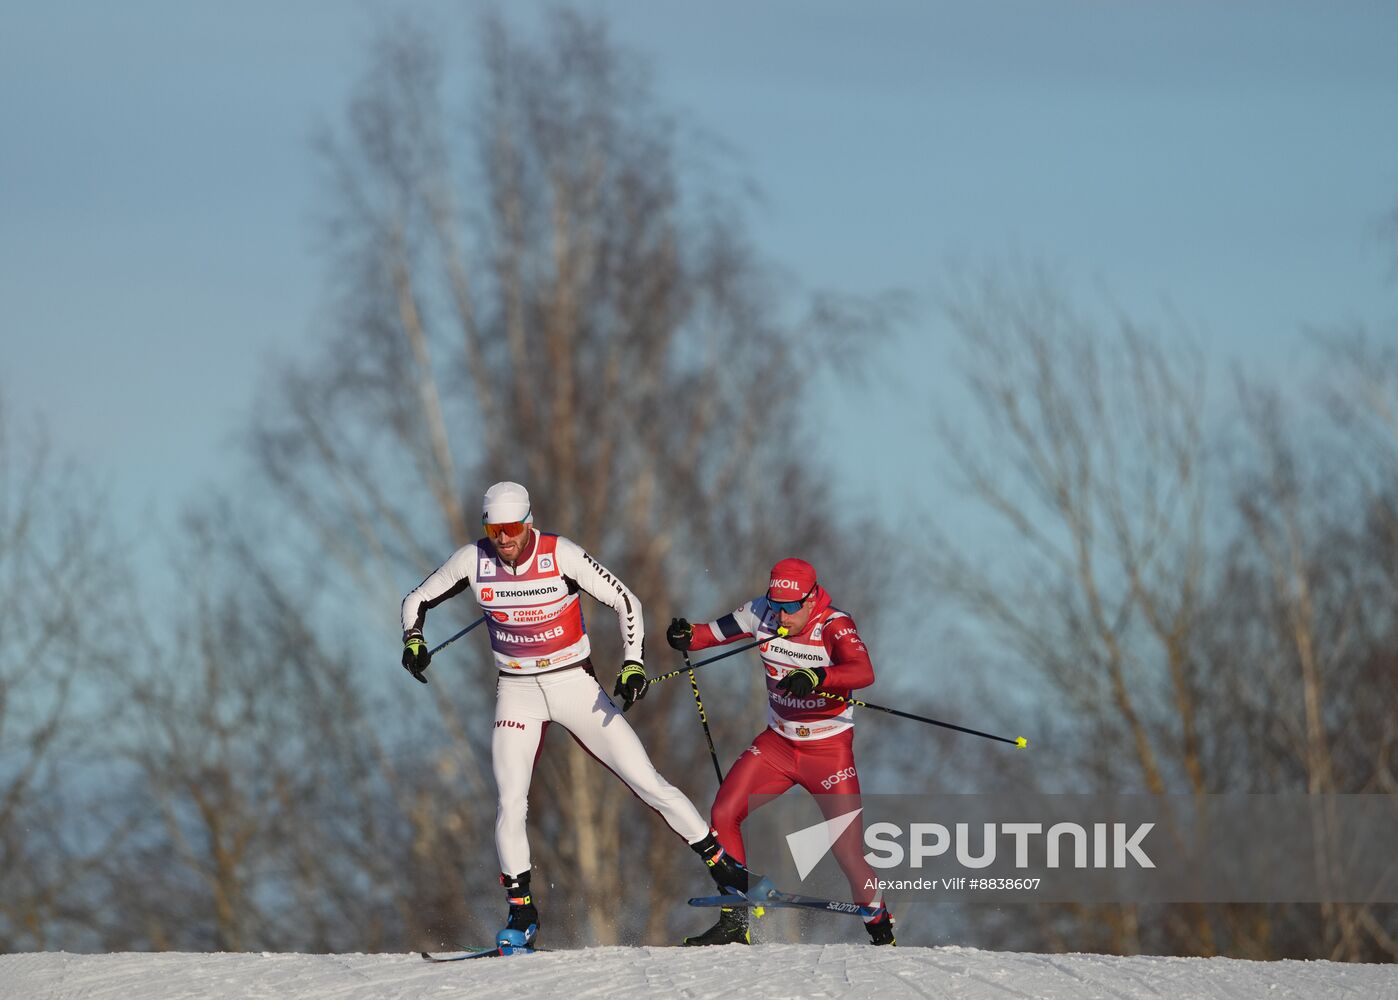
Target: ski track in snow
(764, 972)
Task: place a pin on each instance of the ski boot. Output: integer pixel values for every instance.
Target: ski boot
(729, 874)
(523, 926)
(732, 928)
(881, 928)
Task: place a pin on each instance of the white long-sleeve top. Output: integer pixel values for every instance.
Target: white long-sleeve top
(532, 609)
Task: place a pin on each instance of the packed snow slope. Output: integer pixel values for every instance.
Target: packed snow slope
(764, 972)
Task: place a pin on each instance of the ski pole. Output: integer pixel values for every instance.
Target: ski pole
(703, 716)
(1018, 741)
(781, 632)
(437, 649)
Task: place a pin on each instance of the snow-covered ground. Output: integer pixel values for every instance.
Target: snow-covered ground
(764, 972)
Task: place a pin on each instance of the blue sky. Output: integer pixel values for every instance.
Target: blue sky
(157, 185)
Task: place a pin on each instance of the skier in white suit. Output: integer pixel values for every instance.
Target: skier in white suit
(527, 582)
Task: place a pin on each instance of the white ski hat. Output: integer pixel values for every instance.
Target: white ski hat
(506, 502)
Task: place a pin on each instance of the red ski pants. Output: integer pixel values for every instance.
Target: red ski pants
(825, 768)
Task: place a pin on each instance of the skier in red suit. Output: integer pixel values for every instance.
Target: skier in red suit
(809, 741)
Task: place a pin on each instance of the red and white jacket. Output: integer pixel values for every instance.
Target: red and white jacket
(829, 640)
(532, 609)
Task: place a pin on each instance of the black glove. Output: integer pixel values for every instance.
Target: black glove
(416, 655)
(801, 681)
(680, 634)
(631, 683)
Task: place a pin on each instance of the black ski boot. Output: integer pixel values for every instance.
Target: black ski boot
(732, 928)
(728, 873)
(881, 928)
(519, 932)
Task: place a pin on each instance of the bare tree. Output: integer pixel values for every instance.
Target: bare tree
(1315, 566)
(63, 584)
(548, 294)
(267, 811)
(1088, 450)
(1191, 628)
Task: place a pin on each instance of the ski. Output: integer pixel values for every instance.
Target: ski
(496, 952)
(776, 898)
